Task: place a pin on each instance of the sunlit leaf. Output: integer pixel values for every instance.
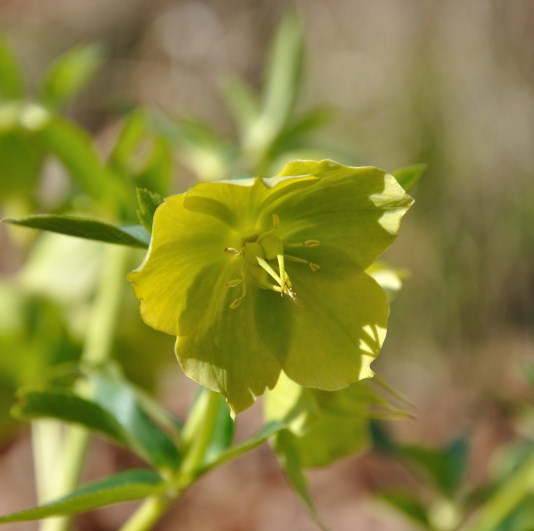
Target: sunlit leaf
(67, 407)
(289, 459)
(243, 103)
(147, 202)
(11, 84)
(408, 176)
(122, 487)
(263, 435)
(115, 395)
(69, 73)
(86, 228)
(283, 75)
(407, 503)
(445, 467)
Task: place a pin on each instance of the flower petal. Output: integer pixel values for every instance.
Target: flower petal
(339, 323)
(183, 242)
(354, 212)
(221, 349)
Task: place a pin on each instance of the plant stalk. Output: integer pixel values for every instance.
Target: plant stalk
(97, 348)
(197, 434)
(506, 499)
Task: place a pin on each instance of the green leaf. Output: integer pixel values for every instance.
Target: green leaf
(133, 130)
(408, 176)
(148, 202)
(283, 75)
(21, 164)
(142, 152)
(67, 407)
(122, 487)
(272, 428)
(73, 148)
(289, 459)
(11, 84)
(295, 134)
(242, 102)
(445, 467)
(201, 148)
(156, 172)
(408, 504)
(134, 236)
(326, 425)
(69, 73)
(223, 434)
(120, 399)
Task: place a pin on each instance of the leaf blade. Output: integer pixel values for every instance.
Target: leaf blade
(408, 176)
(69, 72)
(67, 407)
(126, 486)
(87, 228)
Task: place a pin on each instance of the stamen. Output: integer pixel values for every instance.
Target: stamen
(235, 303)
(276, 221)
(233, 251)
(233, 283)
(313, 266)
(306, 243)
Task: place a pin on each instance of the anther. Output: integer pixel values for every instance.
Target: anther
(313, 266)
(234, 283)
(306, 243)
(233, 251)
(235, 303)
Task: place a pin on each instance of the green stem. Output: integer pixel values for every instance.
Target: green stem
(197, 435)
(506, 499)
(97, 348)
(148, 514)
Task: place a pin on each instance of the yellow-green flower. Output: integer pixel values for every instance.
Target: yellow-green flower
(268, 275)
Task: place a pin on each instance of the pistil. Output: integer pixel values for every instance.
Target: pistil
(258, 253)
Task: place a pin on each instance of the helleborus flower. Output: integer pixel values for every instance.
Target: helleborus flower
(268, 275)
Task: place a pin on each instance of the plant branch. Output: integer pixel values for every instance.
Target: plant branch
(97, 348)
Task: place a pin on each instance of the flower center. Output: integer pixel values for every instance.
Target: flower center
(263, 259)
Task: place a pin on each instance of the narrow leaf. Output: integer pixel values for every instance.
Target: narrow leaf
(445, 467)
(408, 504)
(69, 73)
(122, 487)
(119, 398)
(288, 457)
(223, 433)
(265, 433)
(409, 175)
(73, 148)
(90, 229)
(284, 71)
(11, 85)
(67, 407)
(133, 130)
(148, 202)
(242, 102)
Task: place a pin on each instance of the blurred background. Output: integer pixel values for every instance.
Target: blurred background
(450, 84)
